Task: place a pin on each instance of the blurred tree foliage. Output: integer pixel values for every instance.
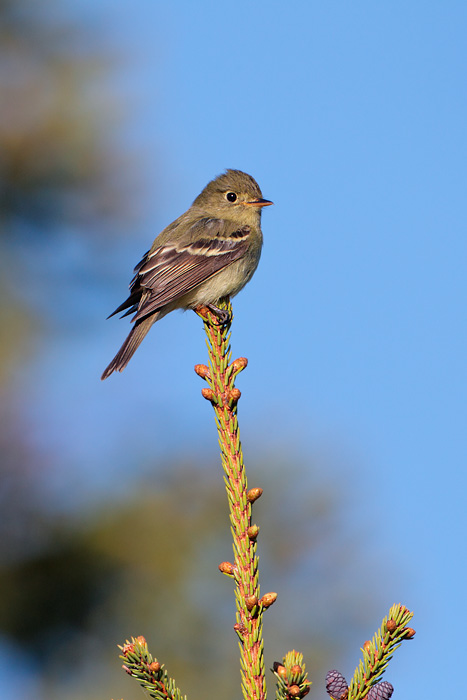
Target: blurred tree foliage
(63, 170)
(60, 170)
(149, 566)
(58, 165)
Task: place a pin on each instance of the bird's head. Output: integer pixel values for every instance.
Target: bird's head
(234, 195)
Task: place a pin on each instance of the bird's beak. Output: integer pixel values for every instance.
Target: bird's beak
(259, 203)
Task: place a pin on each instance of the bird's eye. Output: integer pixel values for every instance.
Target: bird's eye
(231, 197)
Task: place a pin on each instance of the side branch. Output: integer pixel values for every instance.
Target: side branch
(366, 683)
(151, 675)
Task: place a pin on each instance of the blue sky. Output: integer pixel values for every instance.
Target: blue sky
(352, 117)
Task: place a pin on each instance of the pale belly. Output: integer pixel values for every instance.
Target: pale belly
(227, 282)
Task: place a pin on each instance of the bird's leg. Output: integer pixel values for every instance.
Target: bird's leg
(223, 315)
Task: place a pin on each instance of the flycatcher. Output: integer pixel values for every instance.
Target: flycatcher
(211, 251)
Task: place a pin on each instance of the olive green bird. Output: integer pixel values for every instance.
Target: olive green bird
(211, 251)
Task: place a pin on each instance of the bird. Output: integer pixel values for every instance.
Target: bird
(210, 252)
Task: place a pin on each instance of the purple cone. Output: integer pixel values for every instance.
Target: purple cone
(380, 691)
(336, 685)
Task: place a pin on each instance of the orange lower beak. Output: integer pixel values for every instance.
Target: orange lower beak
(259, 203)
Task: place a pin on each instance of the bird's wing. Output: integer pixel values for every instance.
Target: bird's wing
(171, 270)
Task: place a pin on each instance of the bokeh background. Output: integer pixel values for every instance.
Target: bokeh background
(352, 118)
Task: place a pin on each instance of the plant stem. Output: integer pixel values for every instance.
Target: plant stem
(223, 395)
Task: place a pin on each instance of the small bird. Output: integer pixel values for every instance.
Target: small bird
(211, 251)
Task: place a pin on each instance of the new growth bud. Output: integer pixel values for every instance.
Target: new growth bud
(294, 691)
(239, 364)
(203, 371)
(391, 625)
(254, 494)
(207, 393)
(267, 600)
(239, 629)
(227, 568)
(253, 532)
(251, 601)
(234, 395)
(280, 669)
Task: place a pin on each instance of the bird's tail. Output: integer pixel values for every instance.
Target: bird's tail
(128, 348)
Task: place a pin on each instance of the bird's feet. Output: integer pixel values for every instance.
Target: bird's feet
(222, 314)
